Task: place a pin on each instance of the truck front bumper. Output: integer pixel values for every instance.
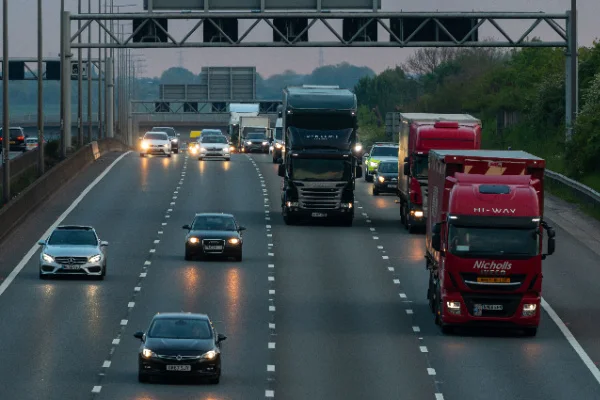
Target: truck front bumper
(491, 310)
(346, 211)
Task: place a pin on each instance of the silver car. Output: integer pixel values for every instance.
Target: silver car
(73, 250)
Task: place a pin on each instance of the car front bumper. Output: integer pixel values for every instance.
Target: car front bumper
(214, 154)
(197, 249)
(386, 186)
(156, 151)
(54, 268)
(198, 368)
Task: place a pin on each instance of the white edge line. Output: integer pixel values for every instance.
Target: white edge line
(11, 277)
(572, 341)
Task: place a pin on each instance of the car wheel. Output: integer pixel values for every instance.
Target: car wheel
(142, 155)
(227, 158)
(215, 381)
(142, 377)
(43, 276)
(530, 332)
(188, 256)
(169, 155)
(238, 257)
(200, 158)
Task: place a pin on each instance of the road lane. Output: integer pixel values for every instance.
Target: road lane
(341, 332)
(501, 364)
(55, 332)
(234, 294)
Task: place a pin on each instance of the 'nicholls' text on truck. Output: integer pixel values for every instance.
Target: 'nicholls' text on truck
(484, 243)
(319, 166)
(419, 133)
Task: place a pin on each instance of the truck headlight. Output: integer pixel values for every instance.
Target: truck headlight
(529, 310)
(346, 205)
(265, 143)
(95, 259)
(453, 307)
(418, 214)
(174, 141)
(292, 204)
(358, 148)
(47, 258)
(278, 145)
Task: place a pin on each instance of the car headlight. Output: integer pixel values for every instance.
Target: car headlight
(147, 353)
(248, 142)
(202, 149)
(95, 259)
(174, 141)
(226, 150)
(278, 145)
(193, 240)
(381, 179)
(144, 145)
(373, 164)
(234, 241)
(265, 143)
(47, 258)
(209, 355)
(194, 149)
(358, 148)
(231, 148)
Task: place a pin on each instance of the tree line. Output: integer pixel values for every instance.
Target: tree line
(518, 94)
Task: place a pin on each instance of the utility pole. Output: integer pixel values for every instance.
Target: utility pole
(99, 75)
(62, 78)
(79, 86)
(89, 79)
(40, 94)
(5, 108)
(105, 76)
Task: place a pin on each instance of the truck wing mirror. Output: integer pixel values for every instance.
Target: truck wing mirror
(281, 170)
(358, 174)
(406, 168)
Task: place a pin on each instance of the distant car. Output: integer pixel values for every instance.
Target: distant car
(214, 147)
(73, 250)
(386, 178)
(180, 344)
(378, 153)
(211, 132)
(213, 234)
(256, 142)
(31, 143)
(17, 139)
(173, 136)
(155, 143)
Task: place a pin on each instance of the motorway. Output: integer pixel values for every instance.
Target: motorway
(312, 312)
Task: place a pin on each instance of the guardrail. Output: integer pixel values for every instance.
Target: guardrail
(577, 190)
(31, 118)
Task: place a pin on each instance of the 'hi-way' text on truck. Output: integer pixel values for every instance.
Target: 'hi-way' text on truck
(420, 133)
(319, 165)
(484, 243)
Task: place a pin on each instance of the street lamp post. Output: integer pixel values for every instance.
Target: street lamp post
(99, 75)
(79, 85)
(40, 94)
(5, 108)
(89, 79)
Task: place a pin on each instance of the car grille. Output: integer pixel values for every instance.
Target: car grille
(320, 198)
(181, 358)
(71, 260)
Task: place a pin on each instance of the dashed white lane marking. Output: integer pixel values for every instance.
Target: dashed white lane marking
(409, 311)
(380, 247)
(164, 223)
(124, 322)
(368, 221)
(416, 329)
(271, 308)
(131, 304)
(423, 349)
(268, 226)
(271, 254)
(96, 389)
(271, 278)
(271, 345)
(152, 250)
(270, 368)
(267, 219)
(386, 258)
(156, 241)
(396, 281)
(137, 288)
(439, 396)
(271, 291)
(271, 326)
(391, 269)
(364, 214)
(170, 210)
(271, 265)
(269, 235)
(147, 262)
(116, 341)
(372, 229)
(106, 364)
(431, 371)
(402, 296)
(160, 232)
(172, 203)
(167, 216)
(375, 238)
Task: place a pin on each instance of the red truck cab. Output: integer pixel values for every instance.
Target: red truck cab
(484, 243)
(420, 133)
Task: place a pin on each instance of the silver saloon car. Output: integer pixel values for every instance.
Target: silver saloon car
(73, 250)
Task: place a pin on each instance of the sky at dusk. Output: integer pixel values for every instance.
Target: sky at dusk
(23, 35)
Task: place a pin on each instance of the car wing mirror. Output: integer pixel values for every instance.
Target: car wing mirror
(104, 243)
(186, 227)
(42, 242)
(221, 337)
(139, 335)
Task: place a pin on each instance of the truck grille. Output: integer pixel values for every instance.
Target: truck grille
(320, 198)
(516, 281)
(71, 260)
(509, 303)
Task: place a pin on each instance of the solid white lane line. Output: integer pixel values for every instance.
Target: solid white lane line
(416, 329)
(431, 371)
(270, 368)
(131, 304)
(572, 341)
(423, 349)
(106, 364)
(271, 345)
(13, 274)
(96, 389)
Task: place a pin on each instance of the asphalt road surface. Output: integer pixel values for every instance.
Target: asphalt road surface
(312, 312)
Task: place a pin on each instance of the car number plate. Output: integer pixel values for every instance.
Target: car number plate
(392, 185)
(71, 267)
(183, 368)
(486, 279)
(213, 247)
(12, 142)
(318, 215)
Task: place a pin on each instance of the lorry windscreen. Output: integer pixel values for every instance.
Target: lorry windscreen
(322, 121)
(471, 242)
(251, 132)
(279, 133)
(314, 169)
(421, 166)
(256, 135)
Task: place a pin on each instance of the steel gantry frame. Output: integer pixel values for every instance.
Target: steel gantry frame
(169, 106)
(561, 24)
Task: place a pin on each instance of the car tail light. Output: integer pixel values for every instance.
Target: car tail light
(21, 138)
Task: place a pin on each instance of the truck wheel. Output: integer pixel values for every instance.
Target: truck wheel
(402, 214)
(530, 332)
(446, 329)
(347, 221)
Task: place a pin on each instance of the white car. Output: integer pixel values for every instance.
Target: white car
(155, 143)
(214, 146)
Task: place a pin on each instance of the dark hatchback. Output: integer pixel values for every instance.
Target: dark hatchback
(17, 139)
(180, 345)
(172, 134)
(213, 234)
(386, 178)
(256, 142)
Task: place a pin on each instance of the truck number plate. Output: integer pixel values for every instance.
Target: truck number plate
(482, 279)
(319, 215)
(479, 308)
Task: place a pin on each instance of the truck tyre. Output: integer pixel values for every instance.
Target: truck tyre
(288, 219)
(530, 332)
(446, 329)
(347, 221)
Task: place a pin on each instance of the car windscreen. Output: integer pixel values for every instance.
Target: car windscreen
(381, 151)
(77, 237)
(214, 139)
(256, 135)
(476, 242)
(213, 223)
(388, 168)
(180, 328)
(310, 169)
(211, 132)
(156, 136)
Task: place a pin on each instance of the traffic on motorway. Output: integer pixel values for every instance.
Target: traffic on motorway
(485, 239)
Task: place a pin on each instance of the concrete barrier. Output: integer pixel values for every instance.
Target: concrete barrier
(21, 206)
(22, 164)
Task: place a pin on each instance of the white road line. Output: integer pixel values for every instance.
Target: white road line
(267, 219)
(152, 250)
(270, 245)
(380, 247)
(106, 364)
(167, 216)
(396, 281)
(157, 241)
(368, 221)
(439, 396)
(402, 295)
(124, 322)
(271, 265)
(387, 258)
(372, 229)
(423, 349)
(269, 235)
(131, 304)
(164, 223)
(270, 368)
(116, 341)
(271, 308)
(271, 254)
(137, 289)
(572, 341)
(11, 277)
(271, 291)
(268, 226)
(170, 210)
(96, 389)
(160, 232)
(271, 345)
(431, 371)
(364, 214)
(416, 329)
(143, 275)
(375, 238)
(271, 278)
(147, 262)
(409, 311)
(271, 326)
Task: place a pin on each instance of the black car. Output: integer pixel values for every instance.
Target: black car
(173, 136)
(17, 139)
(386, 178)
(256, 142)
(180, 344)
(213, 234)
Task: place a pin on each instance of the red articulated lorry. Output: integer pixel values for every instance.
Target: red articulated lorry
(420, 133)
(484, 242)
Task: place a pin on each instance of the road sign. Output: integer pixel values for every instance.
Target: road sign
(75, 70)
